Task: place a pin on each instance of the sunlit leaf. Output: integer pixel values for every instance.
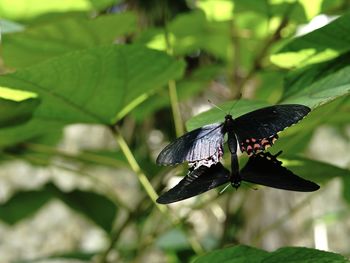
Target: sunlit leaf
(210, 36)
(320, 45)
(27, 9)
(217, 10)
(312, 8)
(319, 84)
(41, 42)
(99, 85)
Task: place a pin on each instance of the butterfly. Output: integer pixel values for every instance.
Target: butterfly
(262, 168)
(254, 131)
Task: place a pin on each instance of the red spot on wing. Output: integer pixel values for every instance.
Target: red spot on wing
(254, 145)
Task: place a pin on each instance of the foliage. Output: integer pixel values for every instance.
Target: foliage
(138, 69)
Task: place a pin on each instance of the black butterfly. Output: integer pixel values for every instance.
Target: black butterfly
(255, 131)
(262, 168)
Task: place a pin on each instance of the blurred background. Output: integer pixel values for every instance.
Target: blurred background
(71, 191)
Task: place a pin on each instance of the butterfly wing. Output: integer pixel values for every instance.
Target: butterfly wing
(265, 169)
(199, 144)
(258, 129)
(197, 181)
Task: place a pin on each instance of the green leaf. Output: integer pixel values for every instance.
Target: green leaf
(213, 37)
(23, 204)
(313, 170)
(41, 42)
(302, 255)
(14, 113)
(236, 254)
(99, 85)
(28, 9)
(243, 254)
(34, 129)
(298, 136)
(214, 115)
(64, 257)
(94, 206)
(319, 84)
(320, 45)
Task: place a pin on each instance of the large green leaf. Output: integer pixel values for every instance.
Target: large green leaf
(319, 84)
(242, 254)
(41, 42)
(96, 207)
(302, 255)
(322, 44)
(236, 108)
(27, 9)
(99, 85)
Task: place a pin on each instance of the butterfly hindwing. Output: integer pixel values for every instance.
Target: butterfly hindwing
(258, 129)
(196, 145)
(265, 169)
(197, 181)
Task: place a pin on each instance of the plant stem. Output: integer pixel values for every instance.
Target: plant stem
(174, 101)
(136, 168)
(179, 127)
(196, 246)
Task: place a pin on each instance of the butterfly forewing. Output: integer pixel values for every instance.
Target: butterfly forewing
(258, 129)
(196, 182)
(265, 169)
(198, 144)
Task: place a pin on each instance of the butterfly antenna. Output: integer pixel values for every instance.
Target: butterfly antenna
(216, 106)
(235, 103)
(224, 189)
